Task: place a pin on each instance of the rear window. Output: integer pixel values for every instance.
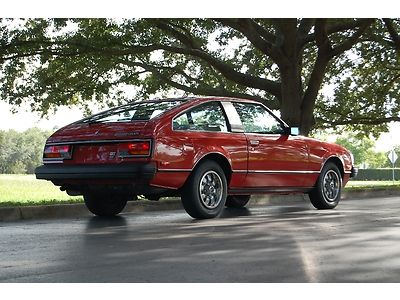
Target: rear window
(142, 111)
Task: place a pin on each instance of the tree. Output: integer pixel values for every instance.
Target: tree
(281, 62)
(363, 151)
(21, 152)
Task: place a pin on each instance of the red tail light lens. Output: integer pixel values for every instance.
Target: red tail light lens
(59, 151)
(137, 148)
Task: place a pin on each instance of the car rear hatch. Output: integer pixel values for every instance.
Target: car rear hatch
(120, 134)
(99, 143)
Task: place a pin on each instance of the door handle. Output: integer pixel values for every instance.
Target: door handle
(254, 142)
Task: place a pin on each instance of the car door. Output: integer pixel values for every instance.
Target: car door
(275, 159)
(206, 131)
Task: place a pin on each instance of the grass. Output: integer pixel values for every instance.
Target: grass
(27, 190)
(376, 185)
(18, 190)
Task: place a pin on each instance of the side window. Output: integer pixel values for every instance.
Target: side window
(256, 119)
(205, 117)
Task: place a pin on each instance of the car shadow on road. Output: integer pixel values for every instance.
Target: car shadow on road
(105, 222)
(233, 212)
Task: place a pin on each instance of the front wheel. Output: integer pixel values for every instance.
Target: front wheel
(104, 205)
(326, 194)
(204, 194)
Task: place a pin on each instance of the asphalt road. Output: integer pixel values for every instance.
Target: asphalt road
(359, 241)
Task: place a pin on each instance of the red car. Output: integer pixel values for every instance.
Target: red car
(212, 152)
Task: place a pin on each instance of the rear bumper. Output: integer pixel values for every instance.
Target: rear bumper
(138, 171)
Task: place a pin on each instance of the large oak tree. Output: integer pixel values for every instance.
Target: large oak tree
(285, 63)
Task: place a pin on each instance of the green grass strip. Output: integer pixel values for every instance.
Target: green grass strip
(23, 190)
(16, 190)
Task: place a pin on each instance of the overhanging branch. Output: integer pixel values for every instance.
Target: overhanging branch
(356, 121)
(199, 90)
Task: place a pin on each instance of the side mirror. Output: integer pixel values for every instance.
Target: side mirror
(294, 131)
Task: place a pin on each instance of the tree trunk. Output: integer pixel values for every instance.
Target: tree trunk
(291, 95)
(311, 94)
(297, 106)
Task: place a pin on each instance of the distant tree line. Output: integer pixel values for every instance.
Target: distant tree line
(21, 152)
(365, 155)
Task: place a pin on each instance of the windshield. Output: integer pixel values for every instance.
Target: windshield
(142, 111)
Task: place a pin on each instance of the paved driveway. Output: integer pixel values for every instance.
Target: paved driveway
(359, 241)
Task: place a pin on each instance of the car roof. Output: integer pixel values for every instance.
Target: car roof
(186, 102)
(194, 98)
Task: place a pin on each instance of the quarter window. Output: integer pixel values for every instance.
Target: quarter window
(205, 117)
(257, 119)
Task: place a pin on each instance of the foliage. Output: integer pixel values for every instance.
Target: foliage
(281, 62)
(21, 152)
(363, 151)
(367, 82)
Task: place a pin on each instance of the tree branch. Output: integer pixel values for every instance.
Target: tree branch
(321, 37)
(204, 90)
(356, 121)
(393, 33)
(304, 28)
(334, 28)
(225, 69)
(347, 44)
(266, 35)
(186, 40)
(251, 30)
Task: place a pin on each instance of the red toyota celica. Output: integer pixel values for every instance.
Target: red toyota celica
(212, 152)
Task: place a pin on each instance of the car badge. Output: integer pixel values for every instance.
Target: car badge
(112, 154)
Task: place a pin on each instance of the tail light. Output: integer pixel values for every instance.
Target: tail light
(58, 152)
(135, 148)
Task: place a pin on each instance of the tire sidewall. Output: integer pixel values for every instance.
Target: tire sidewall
(328, 167)
(191, 197)
(104, 204)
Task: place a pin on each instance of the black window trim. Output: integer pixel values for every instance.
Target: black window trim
(127, 107)
(228, 125)
(280, 121)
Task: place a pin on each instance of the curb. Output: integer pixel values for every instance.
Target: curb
(79, 210)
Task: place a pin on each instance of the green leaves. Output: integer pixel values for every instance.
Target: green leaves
(366, 84)
(21, 152)
(55, 62)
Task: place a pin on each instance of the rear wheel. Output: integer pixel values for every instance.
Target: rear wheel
(104, 205)
(237, 200)
(327, 192)
(204, 194)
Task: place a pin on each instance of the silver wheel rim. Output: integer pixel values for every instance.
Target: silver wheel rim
(211, 189)
(331, 185)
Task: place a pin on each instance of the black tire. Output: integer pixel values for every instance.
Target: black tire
(209, 178)
(104, 205)
(327, 192)
(237, 200)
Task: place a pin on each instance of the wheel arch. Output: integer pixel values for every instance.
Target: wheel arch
(219, 159)
(337, 161)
